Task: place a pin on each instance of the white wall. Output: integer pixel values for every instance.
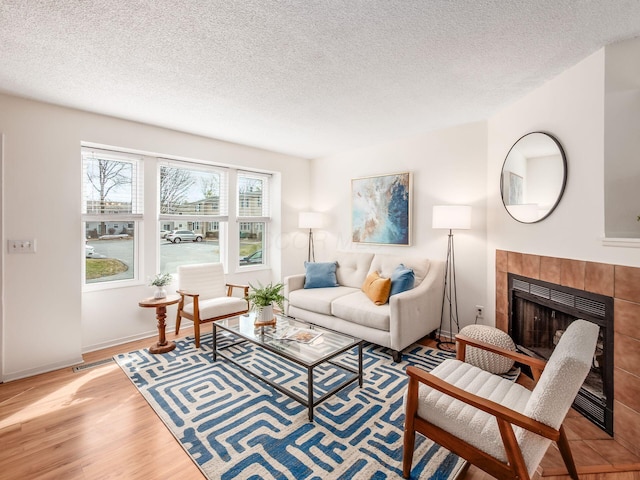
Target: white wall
(448, 167)
(571, 107)
(47, 321)
(622, 142)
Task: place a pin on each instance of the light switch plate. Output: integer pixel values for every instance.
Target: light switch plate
(22, 246)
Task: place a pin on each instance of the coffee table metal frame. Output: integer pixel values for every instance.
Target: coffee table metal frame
(310, 402)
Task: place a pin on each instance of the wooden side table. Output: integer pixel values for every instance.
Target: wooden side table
(160, 304)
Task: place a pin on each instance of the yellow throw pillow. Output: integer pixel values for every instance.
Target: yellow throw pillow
(377, 288)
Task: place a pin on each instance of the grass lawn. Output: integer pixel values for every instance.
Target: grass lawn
(103, 267)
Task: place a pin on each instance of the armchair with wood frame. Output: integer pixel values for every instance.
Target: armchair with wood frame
(206, 297)
(495, 424)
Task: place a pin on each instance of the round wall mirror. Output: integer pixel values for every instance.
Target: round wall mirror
(533, 177)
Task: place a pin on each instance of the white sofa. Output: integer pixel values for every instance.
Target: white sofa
(406, 318)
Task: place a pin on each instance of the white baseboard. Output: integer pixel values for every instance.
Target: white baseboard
(41, 369)
(132, 338)
(119, 341)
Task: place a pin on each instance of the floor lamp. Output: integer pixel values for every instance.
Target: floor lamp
(450, 217)
(310, 220)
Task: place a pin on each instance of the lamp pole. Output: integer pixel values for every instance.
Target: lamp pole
(312, 250)
(450, 295)
(450, 217)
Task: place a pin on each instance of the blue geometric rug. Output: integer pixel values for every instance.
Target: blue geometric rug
(235, 426)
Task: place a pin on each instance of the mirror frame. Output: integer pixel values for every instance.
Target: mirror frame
(564, 177)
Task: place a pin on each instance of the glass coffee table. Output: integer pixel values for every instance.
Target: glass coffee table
(305, 345)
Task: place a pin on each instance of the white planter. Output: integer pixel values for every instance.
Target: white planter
(160, 292)
(265, 314)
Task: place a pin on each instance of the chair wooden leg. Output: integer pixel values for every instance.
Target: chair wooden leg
(409, 427)
(565, 451)
(196, 332)
(178, 320)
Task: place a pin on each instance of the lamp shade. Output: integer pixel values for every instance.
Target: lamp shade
(310, 220)
(452, 217)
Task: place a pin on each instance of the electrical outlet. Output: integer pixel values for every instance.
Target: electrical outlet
(479, 311)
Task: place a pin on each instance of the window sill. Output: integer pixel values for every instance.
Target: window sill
(621, 242)
(98, 286)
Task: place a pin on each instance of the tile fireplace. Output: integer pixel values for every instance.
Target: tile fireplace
(620, 282)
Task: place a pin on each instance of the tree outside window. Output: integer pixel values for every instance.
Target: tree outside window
(111, 207)
(192, 202)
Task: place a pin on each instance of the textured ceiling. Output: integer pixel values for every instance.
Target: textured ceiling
(304, 77)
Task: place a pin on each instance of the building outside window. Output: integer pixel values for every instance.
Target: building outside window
(253, 217)
(193, 204)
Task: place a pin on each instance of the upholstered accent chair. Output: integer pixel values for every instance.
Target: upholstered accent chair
(206, 297)
(500, 426)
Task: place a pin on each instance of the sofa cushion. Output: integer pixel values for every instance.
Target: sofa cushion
(385, 264)
(377, 288)
(320, 274)
(357, 308)
(353, 268)
(318, 299)
(402, 279)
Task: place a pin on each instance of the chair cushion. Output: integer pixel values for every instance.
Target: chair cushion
(216, 307)
(560, 381)
(320, 274)
(491, 362)
(205, 279)
(464, 421)
(377, 288)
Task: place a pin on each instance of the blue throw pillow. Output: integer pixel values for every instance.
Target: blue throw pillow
(320, 274)
(402, 279)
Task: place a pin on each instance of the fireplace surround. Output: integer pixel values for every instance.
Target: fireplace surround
(617, 281)
(540, 312)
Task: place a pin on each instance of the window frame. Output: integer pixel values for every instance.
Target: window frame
(148, 220)
(222, 218)
(264, 218)
(135, 216)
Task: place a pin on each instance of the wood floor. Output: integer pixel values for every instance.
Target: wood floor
(93, 424)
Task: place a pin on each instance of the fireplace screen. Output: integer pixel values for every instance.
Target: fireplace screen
(537, 322)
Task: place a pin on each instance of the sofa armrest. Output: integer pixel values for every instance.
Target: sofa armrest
(291, 283)
(416, 312)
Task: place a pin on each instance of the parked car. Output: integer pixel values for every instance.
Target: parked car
(89, 251)
(163, 233)
(178, 236)
(253, 259)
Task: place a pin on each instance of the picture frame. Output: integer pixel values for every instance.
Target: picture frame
(513, 188)
(381, 209)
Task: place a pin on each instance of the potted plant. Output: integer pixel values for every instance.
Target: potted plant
(160, 281)
(262, 299)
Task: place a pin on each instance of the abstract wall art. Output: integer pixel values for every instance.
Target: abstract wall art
(381, 209)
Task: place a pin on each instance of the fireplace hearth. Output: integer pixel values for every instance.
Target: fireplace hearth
(539, 312)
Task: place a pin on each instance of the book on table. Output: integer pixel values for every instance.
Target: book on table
(297, 334)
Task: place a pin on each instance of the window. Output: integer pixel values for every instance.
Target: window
(253, 217)
(193, 206)
(111, 198)
(186, 219)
